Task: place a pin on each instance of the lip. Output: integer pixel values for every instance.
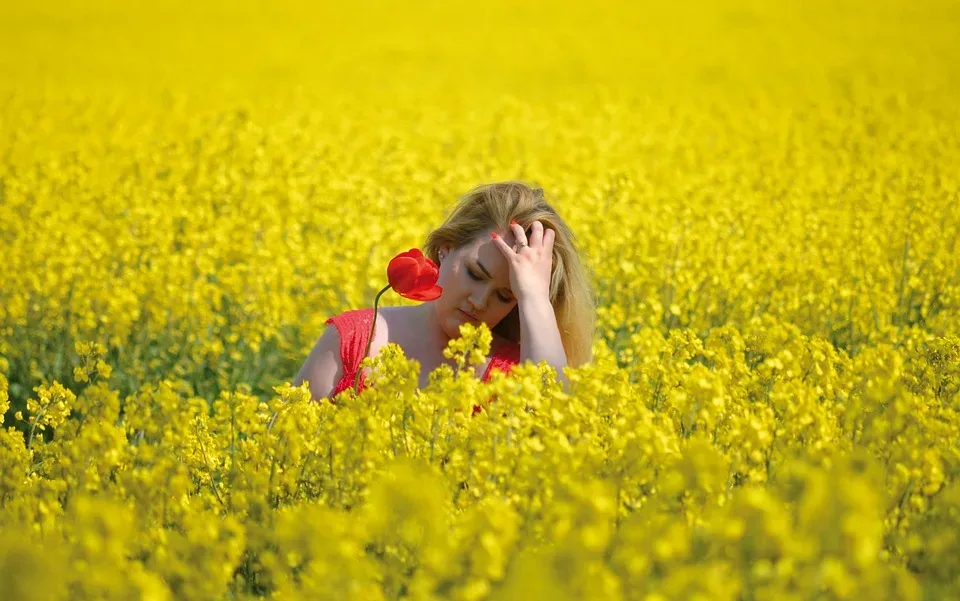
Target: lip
(468, 316)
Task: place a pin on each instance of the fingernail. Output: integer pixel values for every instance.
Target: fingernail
(494, 235)
(513, 222)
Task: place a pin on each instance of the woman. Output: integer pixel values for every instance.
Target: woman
(506, 259)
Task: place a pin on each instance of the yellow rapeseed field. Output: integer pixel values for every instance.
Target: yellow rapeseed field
(767, 195)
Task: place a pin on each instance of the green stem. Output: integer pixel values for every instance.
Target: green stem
(36, 421)
(373, 328)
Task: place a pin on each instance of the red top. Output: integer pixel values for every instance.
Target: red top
(354, 327)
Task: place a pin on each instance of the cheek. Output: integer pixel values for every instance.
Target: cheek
(445, 281)
(453, 284)
(452, 277)
(458, 283)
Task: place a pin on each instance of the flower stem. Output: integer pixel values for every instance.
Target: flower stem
(373, 327)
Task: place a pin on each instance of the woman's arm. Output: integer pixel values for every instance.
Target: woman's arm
(530, 268)
(322, 367)
(540, 336)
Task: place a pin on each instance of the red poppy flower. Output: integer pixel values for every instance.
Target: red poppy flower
(411, 275)
(414, 276)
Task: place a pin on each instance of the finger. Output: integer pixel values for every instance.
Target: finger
(503, 246)
(518, 233)
(536, 234)
(548, 237)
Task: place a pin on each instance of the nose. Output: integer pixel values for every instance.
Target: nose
(479, 300)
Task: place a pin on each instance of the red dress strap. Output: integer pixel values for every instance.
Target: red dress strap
(354, 327)
(503, 359)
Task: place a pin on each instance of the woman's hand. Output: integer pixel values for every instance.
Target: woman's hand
(530, 260)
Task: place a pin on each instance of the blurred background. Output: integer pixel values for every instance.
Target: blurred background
(199, 185)
(376, 48)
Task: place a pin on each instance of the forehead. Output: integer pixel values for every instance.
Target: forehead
(484, 250)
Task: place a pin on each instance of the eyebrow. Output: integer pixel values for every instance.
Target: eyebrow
(484, 269)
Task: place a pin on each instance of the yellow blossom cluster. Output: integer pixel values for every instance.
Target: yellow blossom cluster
(732, 479)
(767, 196)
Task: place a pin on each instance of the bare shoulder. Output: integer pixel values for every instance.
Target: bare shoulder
(390, 322)
(398, 325)
(323, 367)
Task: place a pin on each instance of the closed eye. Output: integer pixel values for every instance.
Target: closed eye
(478, 278)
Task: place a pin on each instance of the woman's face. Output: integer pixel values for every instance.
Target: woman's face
(475, 279)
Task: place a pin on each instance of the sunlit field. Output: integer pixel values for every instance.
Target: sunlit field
(767, 196)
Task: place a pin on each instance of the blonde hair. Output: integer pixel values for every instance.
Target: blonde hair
(493, 206)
